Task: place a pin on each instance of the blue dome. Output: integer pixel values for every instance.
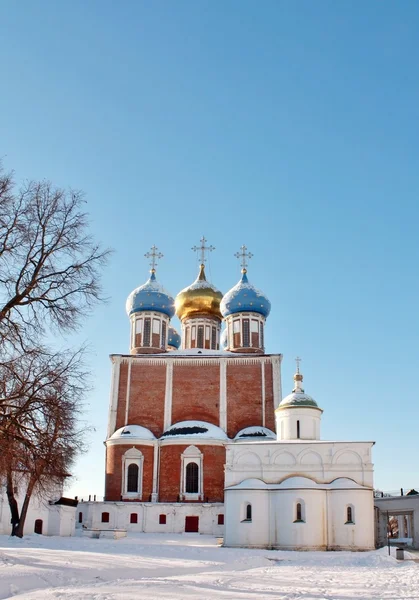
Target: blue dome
(151, 296)
(173, 338)
(224, 340)
(244, 297)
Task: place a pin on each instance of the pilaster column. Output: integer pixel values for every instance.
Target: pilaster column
(168, 395)
(154, 494)
(127, 398)
(223, 394)
(263, 393)
(113, 398)
(276, 380)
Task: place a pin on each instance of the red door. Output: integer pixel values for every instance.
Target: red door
(191, 524)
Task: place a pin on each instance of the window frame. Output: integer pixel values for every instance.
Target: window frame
(245, 512)
(191, 454)
(351, 508)
(136, 457)
(299, 513)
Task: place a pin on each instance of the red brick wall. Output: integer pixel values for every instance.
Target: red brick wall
(244, 397)
(214, 461)
(196, 393)
(113, 480)
(170, 466)
(269, 398)
(147, 391)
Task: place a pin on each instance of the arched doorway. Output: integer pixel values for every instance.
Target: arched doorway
(38, 526)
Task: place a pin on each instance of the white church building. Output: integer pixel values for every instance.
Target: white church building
(299, 492)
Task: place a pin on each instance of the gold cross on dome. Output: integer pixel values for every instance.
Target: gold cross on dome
(155, 255)
(202, 249)
(244, 257)
(298, 360)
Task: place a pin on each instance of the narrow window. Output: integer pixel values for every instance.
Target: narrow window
(192, 483)
(220, 519)
(200, 341)
(214, 338)
(105, 517)
(162, 519)
(249, 512)
(147, 331)
(298, 430)
(246, 333)
(261, 340)
(80, 517)
(132, 478)
(38, 526)
(298, 512)
(133, 518)
(349, 514)
(163, 335)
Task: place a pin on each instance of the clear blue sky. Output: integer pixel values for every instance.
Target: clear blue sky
(290, 126)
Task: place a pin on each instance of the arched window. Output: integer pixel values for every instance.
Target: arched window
(192, 478)
(132, 469)
(80, 517)
(105, 517)
(350, 514)
(133, 518)
(299, 511)
(298, 430)
(249, 512)
(132, 478)
(38, 526)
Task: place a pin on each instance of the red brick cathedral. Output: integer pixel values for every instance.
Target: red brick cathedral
(176, 400)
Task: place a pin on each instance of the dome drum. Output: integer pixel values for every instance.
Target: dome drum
(149, 332)
(201, 332)
(245, 333)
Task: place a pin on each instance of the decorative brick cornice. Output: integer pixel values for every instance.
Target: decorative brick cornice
(197, 361)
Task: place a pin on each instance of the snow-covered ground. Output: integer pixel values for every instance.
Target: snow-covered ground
(181, 567)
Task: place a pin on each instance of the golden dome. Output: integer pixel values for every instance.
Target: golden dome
(199, 298)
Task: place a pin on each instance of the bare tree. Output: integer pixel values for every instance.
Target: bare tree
(41, 401)
(49, 263)
(49, 280)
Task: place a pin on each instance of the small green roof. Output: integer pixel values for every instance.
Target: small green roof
(298, 400)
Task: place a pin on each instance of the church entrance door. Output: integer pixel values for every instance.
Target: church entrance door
(191, 524)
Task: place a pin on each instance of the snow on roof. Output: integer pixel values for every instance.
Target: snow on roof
(250, 483)
(133, 431)
(195, 429)
(256, 433)
(296, 483)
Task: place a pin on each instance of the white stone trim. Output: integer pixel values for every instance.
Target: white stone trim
(113, 397)
(129, 442)
(156, 459)
(192, 454)
(127, 397)
(223, 394)
(168, 396)
(276, 380)
(263, 394)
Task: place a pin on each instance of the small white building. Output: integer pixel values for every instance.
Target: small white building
(299, 492)
(54, 515)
